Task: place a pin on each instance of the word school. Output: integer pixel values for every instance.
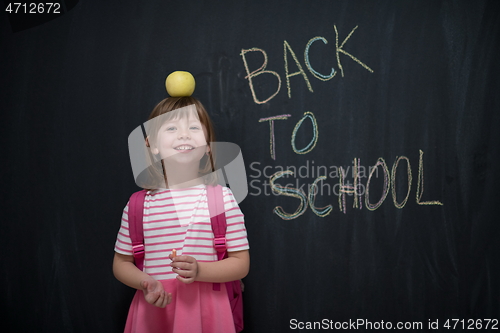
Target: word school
(356, 189)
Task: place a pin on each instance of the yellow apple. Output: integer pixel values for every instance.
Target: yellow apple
(180, 84)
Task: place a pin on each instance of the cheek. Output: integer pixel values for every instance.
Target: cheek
(205, 133)
(163, 143)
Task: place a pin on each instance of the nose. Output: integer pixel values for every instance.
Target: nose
(183, 133)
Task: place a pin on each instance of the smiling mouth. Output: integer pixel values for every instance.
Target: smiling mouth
(184, 147)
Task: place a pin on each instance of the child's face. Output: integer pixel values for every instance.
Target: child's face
(182, 139)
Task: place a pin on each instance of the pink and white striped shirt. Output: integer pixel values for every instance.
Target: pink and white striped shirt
(179, 219)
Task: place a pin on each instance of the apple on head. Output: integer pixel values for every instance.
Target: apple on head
(180, 83)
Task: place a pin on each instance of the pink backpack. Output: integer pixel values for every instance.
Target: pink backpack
(218, 219)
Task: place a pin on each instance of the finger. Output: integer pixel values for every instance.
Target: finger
(183, 259)
(186, 273)
(164, 300)
(186, 280)
(152, 298)
(156, 302)
(181, 273)
(155, 297)
(161, 299)
(182, 265)
(169, 298)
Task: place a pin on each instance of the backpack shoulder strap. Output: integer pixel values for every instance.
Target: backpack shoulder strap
(218, 219)
(135, 217)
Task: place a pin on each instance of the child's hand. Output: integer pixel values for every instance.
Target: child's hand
(186, 267)
(154, 293)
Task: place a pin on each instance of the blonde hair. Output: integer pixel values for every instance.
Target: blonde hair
(154, 177)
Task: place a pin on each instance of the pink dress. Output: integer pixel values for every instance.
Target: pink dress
(179, 219)
(195, 308)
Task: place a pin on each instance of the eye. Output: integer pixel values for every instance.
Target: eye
(195, 126)
(170, 128)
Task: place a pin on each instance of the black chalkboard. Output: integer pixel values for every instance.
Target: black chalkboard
(395, 103)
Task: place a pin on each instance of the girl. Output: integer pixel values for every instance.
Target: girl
(175, 293)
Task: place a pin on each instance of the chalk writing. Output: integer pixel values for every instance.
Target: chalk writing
(348, 189)
(385, 191)
(271, 129)
(420, 183)
(317, 75)
(393, 181)
(287, 50)
(344, 188)
(310, 146)
(323, 211)
(257, 72)
(291, 192)
(339, 49)
(286, 47)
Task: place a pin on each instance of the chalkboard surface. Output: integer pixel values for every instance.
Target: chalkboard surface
(369, 131)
